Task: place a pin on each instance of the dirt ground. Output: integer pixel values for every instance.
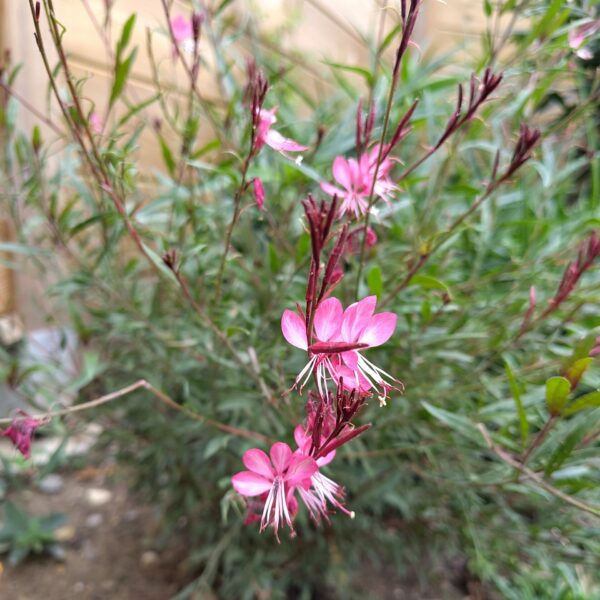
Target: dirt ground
(107, 543)
(109, 553)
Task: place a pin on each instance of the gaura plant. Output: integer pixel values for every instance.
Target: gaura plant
(388, 243)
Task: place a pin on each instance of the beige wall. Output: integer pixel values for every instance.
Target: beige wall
(322, 28)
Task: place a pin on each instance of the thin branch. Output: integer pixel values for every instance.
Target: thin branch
(143, 384)
(539, 480)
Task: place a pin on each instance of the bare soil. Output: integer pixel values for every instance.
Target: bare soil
(107, 541)
(110, 553)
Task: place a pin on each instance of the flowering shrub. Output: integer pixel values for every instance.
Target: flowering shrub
(460, 236)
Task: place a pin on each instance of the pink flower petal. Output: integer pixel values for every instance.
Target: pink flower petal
(325, 460)
(379, 329)
(302, 440)
(350, 358)
(280, 456)
(294, 329)
(257, 461)
(250, 484)
(301, 468)
(356, 318)
(352, 379)
(328, 319)
(282, 144)
(342, 172)
(332, 190)
(182, 29)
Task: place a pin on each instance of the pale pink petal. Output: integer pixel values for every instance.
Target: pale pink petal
(302, 440)
(578, 35)
(325, 460)
(301, 468)
(256, 460)
(96, 123)
(361, 181)
(280, 456)
(328, 319)
(342, 172)
(356, 318)
(379, 329)
(352, 379)
(182, 28)
(250, 484)
(282, 144)
(294, 329)
(350, 358)
(332, 190)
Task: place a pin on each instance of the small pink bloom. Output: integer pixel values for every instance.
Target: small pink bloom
(259, 192)
(182, 28)
(322, 491)
(340, 336)
(579, 35)
(371, 239)
(21, 431)
(356, 178)
(277, 477)
(266, 135)
(96, 123)
(304, 442)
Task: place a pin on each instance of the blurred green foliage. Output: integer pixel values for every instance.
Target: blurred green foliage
(423, 481)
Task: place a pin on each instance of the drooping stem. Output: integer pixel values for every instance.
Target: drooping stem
(164, 398)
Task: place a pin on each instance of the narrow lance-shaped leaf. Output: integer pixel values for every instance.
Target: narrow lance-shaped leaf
(557, 392)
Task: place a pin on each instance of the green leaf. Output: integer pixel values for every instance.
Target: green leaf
(576, 370)
(390, 37)
(167, 156)
(375, 281)
(429, 283)
(125, 36)
(487, 8)
(591, 400)
(557, 392)
(516, 392)
(459, 423)
(274, 261)
(367, 75)
(158, 261)
(36, 138)
(564, 449)
(91, 368)
(121, 75)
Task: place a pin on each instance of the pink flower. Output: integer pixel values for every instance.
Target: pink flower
(341, 335)
(371, 238)
(277, 477)
(578, 36)
(304, 442)
(322, 489)
(356, 179)
(266, 135)
(96, 123)
(259, 192)
(21, 431)
(182, 29)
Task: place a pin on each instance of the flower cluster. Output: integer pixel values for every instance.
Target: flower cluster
(334, 339)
